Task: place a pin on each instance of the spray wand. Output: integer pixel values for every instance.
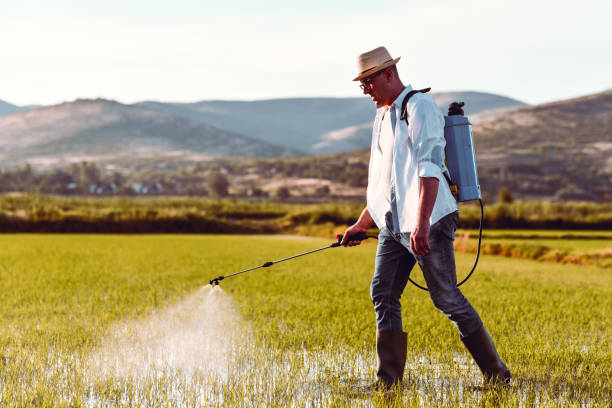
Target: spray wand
(358, 237)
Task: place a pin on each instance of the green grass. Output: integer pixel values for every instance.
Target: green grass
(309, 324)
(577, 247)
(36, 213)
(572, 245)
(543, 234)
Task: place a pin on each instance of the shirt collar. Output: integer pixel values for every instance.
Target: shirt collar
(396, 103)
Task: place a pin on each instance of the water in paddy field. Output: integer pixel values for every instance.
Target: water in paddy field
(194, 335)
(198, 352)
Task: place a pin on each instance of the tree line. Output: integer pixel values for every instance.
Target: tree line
(82, 179)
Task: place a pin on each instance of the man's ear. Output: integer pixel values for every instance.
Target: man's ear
(388, 74)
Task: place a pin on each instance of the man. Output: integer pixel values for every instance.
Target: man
(409, 199)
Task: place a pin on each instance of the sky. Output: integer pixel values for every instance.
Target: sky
(535, 51)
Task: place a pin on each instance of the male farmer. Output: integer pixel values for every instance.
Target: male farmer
(409, 199)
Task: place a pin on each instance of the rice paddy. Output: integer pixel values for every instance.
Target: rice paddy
(109, 320)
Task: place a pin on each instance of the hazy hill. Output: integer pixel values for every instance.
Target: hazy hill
(172, 134)
(102, 130)
(10, 109)
(562, 148)
(296, 123)
(314, 125)
(560, 151)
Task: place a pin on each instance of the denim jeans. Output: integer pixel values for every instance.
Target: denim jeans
(395, 261)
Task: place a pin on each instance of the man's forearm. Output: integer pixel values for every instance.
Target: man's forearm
(362, 225)
(365, 219)
(427, 197)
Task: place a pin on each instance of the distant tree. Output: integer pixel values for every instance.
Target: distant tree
(505, 196)
(218, 184)
(283, 193)
(258, 192)
(56, 182)
(24, 176)
(5, 182)
(85, 174)
(354, 179)
(91, 173)
(118, 179)
(322, 191)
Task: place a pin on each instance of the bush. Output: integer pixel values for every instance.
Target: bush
(505, 196)
(218, 184)
(322, 191)
(283, 193)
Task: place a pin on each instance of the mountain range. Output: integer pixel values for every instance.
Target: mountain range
(560, 150)
(7, 109)
(316, 125)
(106, 131)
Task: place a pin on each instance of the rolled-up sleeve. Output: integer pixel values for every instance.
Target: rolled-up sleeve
(427, 133)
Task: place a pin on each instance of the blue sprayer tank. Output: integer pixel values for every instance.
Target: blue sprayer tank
(460, 158)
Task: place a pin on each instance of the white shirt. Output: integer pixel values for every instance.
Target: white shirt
(385, 142)
(418, 151)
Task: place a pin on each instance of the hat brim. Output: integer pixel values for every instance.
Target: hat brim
(375, 69)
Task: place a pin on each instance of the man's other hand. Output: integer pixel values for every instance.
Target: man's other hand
(419, 239)
(351, 231)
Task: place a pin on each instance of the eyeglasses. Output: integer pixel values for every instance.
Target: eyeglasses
(367, 82)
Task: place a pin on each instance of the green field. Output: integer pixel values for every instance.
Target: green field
(576, 247)
(109, 320)
(38, 213)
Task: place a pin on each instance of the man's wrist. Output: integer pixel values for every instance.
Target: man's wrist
(423, 220)
(361, 226)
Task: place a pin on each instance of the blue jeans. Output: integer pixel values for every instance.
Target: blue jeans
(394, 262)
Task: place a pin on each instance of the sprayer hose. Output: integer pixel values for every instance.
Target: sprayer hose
(477, 254)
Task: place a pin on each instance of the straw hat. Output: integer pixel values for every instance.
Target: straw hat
(373, 61)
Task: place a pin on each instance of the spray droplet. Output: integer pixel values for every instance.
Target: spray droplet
(194, 335)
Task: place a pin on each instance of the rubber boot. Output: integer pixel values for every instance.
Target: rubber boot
(391, 350)
(482, 349)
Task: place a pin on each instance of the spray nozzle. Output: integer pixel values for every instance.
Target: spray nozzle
(214, 282)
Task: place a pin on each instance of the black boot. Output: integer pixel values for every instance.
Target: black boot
(391, 358)
(482, 349)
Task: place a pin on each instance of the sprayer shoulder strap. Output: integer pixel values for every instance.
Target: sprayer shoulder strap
(404, 115)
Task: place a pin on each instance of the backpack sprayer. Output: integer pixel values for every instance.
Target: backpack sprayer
(461, 175)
